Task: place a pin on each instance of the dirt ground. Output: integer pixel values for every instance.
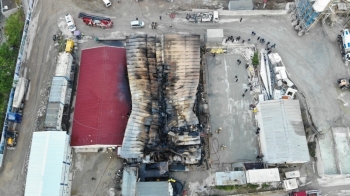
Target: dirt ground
(95, 174)
(313, 60)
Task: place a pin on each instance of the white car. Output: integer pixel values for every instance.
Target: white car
(107, 3)
(70, 22)
(137, 24)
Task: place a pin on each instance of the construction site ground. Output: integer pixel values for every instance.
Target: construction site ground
(229, 110)
(313, 61)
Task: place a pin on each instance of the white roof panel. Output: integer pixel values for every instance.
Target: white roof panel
(282, 134)
(58, 90)
(130, 175)
(64, 65)
(230, 178)
(45, 168)
(163, 188)
(215, 32)
(262, 175)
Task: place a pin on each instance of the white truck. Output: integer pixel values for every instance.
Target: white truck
(203, 17)
(20, 92)
(344, 44)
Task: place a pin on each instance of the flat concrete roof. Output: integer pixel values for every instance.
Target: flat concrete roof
(215, 33)
(230, 111)
(230, 178)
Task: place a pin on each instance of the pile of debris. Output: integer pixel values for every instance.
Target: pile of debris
(163, 76)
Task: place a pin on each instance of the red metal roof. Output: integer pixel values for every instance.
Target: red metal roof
(103, 98)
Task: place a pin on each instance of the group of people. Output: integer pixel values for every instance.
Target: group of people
(261, 40)
(250, 88)
(154, 25)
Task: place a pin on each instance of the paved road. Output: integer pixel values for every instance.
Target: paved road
(39, 66)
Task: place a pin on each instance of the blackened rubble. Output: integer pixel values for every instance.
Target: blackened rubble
(164, 74)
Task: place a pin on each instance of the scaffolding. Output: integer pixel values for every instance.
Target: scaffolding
(304, 17)
(306, 14)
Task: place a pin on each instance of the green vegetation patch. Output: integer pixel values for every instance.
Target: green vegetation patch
(238, 187)
(255, 60)
(227, 188)
(312, 148)
(265, 185)
(8, 54)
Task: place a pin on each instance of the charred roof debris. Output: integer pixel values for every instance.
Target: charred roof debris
(164, 75)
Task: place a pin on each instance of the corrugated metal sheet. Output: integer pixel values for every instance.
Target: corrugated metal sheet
(58, 90)
(47, 171)
(103, 98)
(262, 175)
(282, 133)
(163, 77)
(64, 65)
(154, 189)
(182, 57)
(136, 136)
(54, 114)
(230, 178)
(129, 181)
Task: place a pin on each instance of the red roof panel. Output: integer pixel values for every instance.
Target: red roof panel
(103, 98)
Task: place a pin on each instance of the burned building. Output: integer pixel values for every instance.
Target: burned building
(163, 75)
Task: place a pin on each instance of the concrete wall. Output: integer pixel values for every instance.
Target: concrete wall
(245, 12)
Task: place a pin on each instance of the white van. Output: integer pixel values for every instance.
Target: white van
(107, 3)
(215, 16)
(70, 22)
(137, 24)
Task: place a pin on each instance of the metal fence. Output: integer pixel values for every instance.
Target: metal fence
(15, 79)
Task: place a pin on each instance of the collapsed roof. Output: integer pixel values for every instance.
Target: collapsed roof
(163, 76)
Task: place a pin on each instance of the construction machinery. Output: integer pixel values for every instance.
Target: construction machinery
(96, 21)
(344, 83)
(306, 193)
(344, 44)
(11, 139)
(11, 134)
(69, 46)
(15, 116)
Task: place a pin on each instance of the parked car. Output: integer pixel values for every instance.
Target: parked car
(70, 23)
(107, 3)
(137, 24)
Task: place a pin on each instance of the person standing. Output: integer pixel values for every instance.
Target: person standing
(160, 17)
(240, 20)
